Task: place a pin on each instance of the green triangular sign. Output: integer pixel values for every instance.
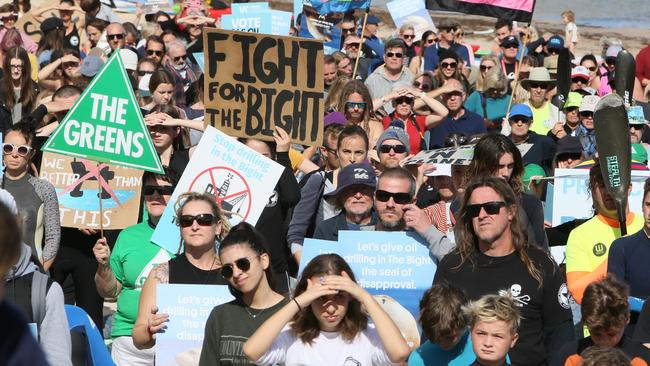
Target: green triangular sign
(105, 124)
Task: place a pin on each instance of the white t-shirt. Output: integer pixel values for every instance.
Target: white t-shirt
(571, 30)
(329, 348)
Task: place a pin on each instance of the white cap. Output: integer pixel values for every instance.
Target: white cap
(441, 170)
(129, 58)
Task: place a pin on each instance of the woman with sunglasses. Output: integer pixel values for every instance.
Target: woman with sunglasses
(203, 225)
(417, 62)
(324, 323)
(36, 198)
(62, 70)
(356, 105)
(246, 265)
(407, 33)
(120, 273)
(449, 67)
(589, 61)
(487, 63)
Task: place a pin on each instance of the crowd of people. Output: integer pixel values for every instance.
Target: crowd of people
(498, 297)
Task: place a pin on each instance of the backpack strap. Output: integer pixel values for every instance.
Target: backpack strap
(39, 292)
(484, 104)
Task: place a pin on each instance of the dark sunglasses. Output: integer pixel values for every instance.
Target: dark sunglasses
(592, 69)
(567, 156)
(637, 127)
(394, 54)
(399, 198)
(579, 80)
(409, 36)
(424, 86)
(537, 85)
(111, 37)
(23, 150)
(485, 67)
(352, 105)
(143, 73)
(9, 19)
(162, 190)
(444, 65)
(348, 30)
(451, 29)
(402, 100)
(517, 119)
(385, 149)
(68, 65)
(155, 52)
(510, 46)
(179, 58)
(352, 44)
(227, 270)
(202, 220)
(587, 114)
(491, 208)
(431, 41)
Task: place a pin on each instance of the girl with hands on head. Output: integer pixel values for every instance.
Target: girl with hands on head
(324, 324)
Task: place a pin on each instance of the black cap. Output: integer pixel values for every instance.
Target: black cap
(50, 24)
(568, 145)
(510, 41)
(444, 53)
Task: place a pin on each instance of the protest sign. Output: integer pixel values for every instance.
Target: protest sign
(105, 124)
(28, 24)
(200, 60)
(188, 307)
(394, 267)
(243, 9)
(75, 181)
(253, 22)
(254, 82)
(280, 22)
(154, 6)
(339, 6)
(241, 180)
(411, 12)
(297, 7)
(572, 200)
(461, 155)
(323, 27)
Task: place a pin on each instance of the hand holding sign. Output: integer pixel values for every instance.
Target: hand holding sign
(102, 251)
(282, 140)
(416, 218)
(156, 322)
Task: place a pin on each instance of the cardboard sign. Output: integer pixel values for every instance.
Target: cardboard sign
(75, 181)
(461, 155)
(394, 267)
(411, 12)
(105, 124)
(241, 180)
(254, 82)
(323, 27)
(572, 200)
(189, 307)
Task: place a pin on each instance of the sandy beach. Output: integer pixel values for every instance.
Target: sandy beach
(634, 39)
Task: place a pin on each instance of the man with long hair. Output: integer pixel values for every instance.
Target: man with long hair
(492, 255)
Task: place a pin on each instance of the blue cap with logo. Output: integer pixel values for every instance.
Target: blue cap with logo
(355, 174)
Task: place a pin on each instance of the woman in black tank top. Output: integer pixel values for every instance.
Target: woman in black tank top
(202, 223)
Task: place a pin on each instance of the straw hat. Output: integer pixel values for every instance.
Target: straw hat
(538, 75)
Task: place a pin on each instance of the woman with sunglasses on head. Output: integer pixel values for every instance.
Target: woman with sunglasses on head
(324, 323)
(246, 265)
(121, 272)
(202, 224)
(62, 70)
(356, 105)
(417, 62)
(37, 199)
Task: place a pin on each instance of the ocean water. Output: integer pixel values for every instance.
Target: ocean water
(602, 13)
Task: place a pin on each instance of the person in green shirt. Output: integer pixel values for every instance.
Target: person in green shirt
(246, 266)
(123, 272)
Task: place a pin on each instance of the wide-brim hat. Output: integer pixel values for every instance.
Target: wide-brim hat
(538, 75)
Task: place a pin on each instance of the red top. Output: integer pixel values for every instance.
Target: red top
(414, 135)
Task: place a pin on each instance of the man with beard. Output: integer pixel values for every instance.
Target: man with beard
(354, 196)
(352, 47)
(395, 206)
(392, 146)
(545, 114)
(183, 71)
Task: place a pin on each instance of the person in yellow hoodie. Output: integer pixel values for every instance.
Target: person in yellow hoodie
(588, 245)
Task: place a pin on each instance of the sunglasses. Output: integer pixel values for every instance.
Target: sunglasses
(155, 52)
(445, 65)
(353, 44)
(402, 100)
(68, 65)
(637, 127)
(408, 36)
(143, 73)
(592, 69)
(507, 46)
(394, 54)
(352, 105)
(491, 208)
(537, 85)
(385, 149)
(425, 87)
(587, 114)
(23, 150)
(9, 19)
(161, 190)
(517, 119)
(400, 198)
(572, 156)
(111, 37)
(451, 29)
(227, 270)
(202, 220)
(486, 67)
(180, 58)
(348, 30)
(579, 80)
(431, 41)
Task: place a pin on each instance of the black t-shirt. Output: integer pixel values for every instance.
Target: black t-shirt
(71, 40)
(540, 306)
(182, 271)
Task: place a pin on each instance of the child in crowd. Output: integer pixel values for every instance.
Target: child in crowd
(493, 321)
(444, 327)
(605, 312)
(571, 29)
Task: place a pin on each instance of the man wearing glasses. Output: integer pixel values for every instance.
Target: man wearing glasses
(115, 36)
(380, 83)
(183, 71)
(447, 39)
(545, 114)
(352, 47)
(508, 57)
(586, 132)
(543, 149)
(155, 49)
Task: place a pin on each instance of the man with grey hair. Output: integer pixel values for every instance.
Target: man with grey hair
(115, 35)
(181, 68)
(381, 82)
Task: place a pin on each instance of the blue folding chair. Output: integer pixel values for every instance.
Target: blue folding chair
(80, 322)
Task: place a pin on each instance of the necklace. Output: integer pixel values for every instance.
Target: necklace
(254, 315)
